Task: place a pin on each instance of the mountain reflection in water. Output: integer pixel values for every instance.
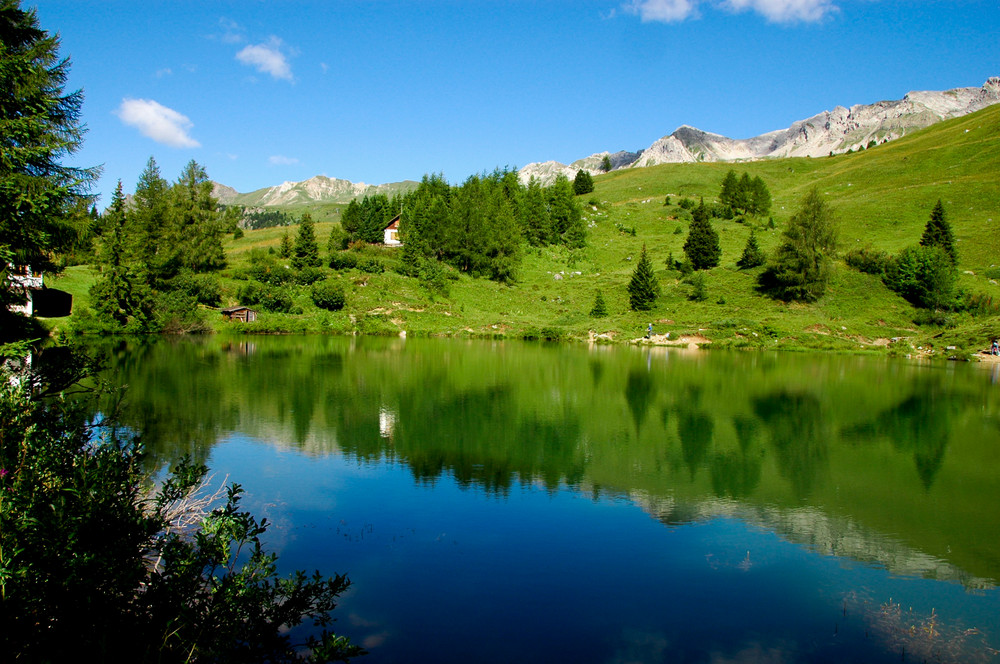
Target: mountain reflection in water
(888, 466)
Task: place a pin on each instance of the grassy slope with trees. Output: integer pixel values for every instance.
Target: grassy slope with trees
(881, 199)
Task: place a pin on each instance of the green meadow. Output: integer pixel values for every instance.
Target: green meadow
(881, 197)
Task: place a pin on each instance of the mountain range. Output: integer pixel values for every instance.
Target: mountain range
(830, 132)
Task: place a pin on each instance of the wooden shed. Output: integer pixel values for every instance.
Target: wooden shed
(240, 313)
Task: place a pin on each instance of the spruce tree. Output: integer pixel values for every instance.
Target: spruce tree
(606, 164)
(702, 245)
(938, 233)
(752, 254)
(583, 183)
(600, 309)
(39, 128)
(305, 253)
(643, 289)
(285, 248)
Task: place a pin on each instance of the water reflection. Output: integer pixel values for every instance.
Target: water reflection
(879, 461)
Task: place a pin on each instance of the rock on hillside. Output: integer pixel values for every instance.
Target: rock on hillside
(839, 130)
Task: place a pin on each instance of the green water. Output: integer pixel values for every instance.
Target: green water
(563, 503)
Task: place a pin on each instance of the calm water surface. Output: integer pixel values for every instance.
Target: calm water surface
(499, 502)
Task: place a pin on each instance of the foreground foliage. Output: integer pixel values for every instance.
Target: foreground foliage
(93, 560)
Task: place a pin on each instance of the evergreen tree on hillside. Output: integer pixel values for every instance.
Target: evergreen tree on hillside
(938, 233)
(600, 309)
(198, 224)
(563, 209)
(534, 215)
(285, 248)
(305, 253)
(752, 254)
(121, 299)
(643, 288)
(800, 268)
(149, 226)
(39, 128)
(730, 183)
(702, 245)
(760, 197)
(606, 164)
(583, 183)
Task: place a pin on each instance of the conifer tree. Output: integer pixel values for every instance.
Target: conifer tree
(39, 127)
(583, 183)
(122, 301)
(606, 164)
(643, 289)
(702, 245)
(800, 268)
(534, 215)
(285, 248)
(600, 309)
(305, 253)
(752, 254)
(727, 196)
(760, 197)
(938, 233)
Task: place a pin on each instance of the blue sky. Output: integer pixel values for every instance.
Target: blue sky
(260, 92)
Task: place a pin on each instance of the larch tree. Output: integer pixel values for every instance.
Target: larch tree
(800, 267)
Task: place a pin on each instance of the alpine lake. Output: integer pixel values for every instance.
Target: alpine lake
(532, 502)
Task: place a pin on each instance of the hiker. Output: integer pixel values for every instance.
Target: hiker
(649, 333)
(995, 350)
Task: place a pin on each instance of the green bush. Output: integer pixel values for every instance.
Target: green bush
(93, 560)
(371, 265)
(269, 298)
(924, 276)
(343, 260)
(308, 275)
(328, 295)
(867, 260)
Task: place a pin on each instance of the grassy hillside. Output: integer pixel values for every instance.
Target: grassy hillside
(882, 198)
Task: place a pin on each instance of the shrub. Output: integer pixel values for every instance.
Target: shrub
(343, 260)
(204, 288)
(94, 562)
(923, 275)
(867, 260)
(307, 276)
(328, 295)
(269, 298)
(686, 203)
(371, 265)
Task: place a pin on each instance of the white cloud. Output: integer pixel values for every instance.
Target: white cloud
(280, 160)
(776, 11)
(166, 71)
(232, 32)
(267, 58)
(664, 11)
(162, 124)
(785, 11)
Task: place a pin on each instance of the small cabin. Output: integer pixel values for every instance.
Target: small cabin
(242, 314)
(391, 233)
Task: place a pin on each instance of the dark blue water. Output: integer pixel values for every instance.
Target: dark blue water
(611, 506)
